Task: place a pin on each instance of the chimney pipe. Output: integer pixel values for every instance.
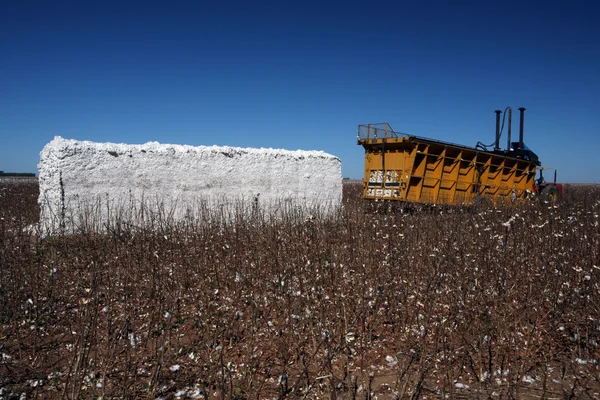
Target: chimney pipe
(522, 111)
(509, 128)
(497, 142)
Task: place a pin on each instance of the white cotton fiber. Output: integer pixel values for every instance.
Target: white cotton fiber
(85, 183)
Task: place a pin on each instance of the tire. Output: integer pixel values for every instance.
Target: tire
(549, 194)
(481, 203)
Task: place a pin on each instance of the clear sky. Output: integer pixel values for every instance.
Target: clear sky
(300, 75)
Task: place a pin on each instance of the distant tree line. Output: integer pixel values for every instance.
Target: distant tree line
(18, 174)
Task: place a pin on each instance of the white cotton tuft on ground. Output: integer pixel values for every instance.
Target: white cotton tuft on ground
(86, 185)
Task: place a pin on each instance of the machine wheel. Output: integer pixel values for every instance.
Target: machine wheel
(481, 203)
(549, 194)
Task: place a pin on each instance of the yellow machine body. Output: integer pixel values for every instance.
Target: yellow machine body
(419, 170)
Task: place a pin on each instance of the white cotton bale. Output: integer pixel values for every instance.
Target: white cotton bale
(87, 185)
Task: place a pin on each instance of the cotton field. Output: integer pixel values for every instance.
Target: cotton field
(369, 303)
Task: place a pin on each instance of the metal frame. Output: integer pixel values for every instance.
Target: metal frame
(414, 169)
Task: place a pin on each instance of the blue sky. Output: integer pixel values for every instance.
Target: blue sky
(300, 75)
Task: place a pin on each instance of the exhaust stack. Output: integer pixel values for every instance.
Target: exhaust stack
(497, 142)
(522, 121)
(509, 128)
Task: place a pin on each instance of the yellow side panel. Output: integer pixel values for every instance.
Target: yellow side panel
(423, 171)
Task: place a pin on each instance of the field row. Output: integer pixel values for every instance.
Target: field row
(501, 303)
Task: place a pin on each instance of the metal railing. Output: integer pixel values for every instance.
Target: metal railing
(377, 131)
